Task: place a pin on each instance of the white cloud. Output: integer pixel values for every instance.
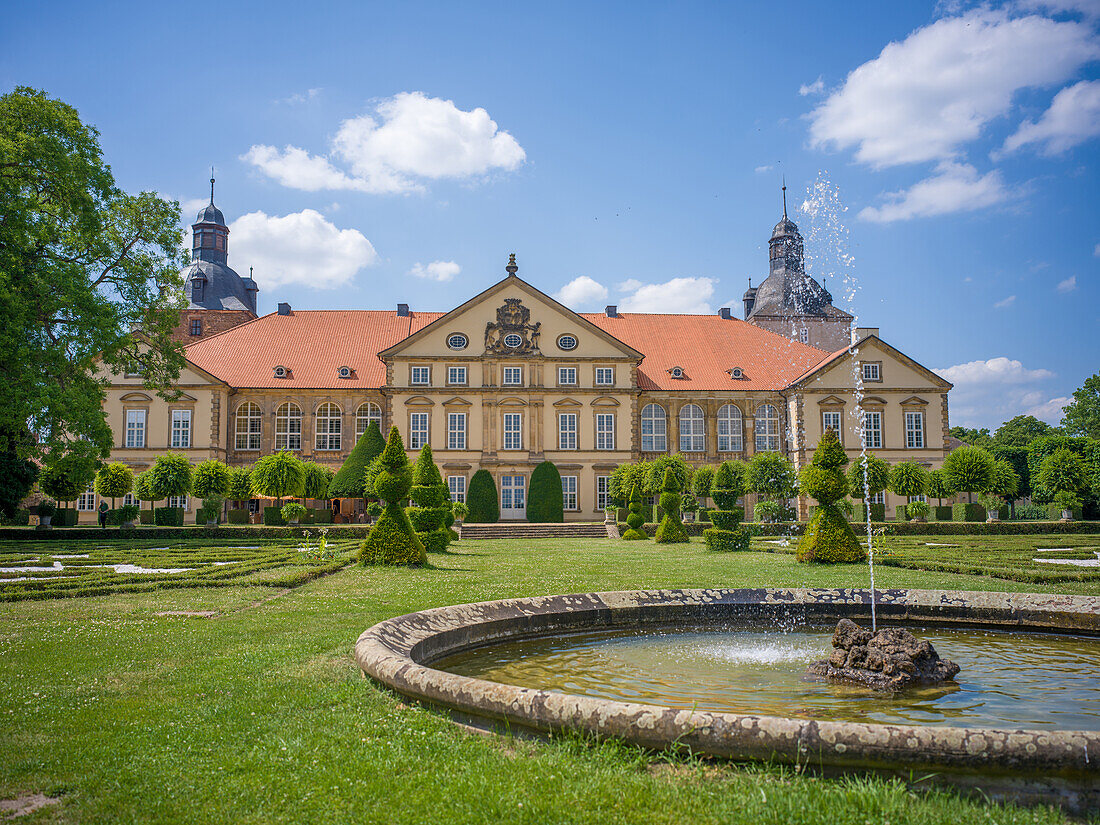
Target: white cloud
(689, 296)
(581, 291)
(441, 271)
(1096, 250)
(1068, 285)
(1005, 302)
(1088, 8)
(924, 97)
(302, 97)
(955, 187)
(629, 285)
(990, 392)
(815, 88)
(762, 169)
(1050, 411)
(1073, 118)
(300, 248)
(190, 208)
(410, 138)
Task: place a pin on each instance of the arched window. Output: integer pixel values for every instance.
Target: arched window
(767, 429)
(729, 429)
(250, 424)
(288, 427)
(692, 423)
(327, 431)
(654, 429)
(364, 416)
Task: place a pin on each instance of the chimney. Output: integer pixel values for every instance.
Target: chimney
(402, 310)
(611, 311)
(284, 308)
(864, 332)
(724, 313)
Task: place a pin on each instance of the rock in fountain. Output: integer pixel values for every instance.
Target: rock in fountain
(890, 660)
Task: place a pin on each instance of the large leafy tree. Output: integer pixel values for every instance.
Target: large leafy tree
(89, 276)
(278, 476)
(1021, 431)
(1082, 415)
(973, 437)
(969, 470)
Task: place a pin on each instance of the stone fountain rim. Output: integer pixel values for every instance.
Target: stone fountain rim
(397, 653)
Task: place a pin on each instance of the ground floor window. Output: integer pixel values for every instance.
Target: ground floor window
(878, 498)
(457, 486)
(569, 492)
(601, 493)
(129, 499)
(86, 501)
(177, 501)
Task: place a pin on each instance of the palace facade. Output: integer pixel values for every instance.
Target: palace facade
(512, 378)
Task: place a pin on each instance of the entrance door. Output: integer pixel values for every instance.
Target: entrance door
(513, 501)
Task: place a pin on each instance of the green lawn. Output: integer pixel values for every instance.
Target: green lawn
(259, 714)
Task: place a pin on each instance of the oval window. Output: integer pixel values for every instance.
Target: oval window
(458, 341)
(567, 342)
(345, 372)
(280, 372)
(677, 372)
(512, 340)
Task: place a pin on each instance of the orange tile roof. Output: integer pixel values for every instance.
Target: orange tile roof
(312, 344)
(705, 347)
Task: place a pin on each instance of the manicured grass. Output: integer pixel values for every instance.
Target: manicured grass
(259, 713)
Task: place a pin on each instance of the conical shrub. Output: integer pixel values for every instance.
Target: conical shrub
(671, 530)
(635, 519)
(392, 540)
(828, 537)
(432, 505)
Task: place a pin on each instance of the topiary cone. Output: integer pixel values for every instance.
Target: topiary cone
(392, 540)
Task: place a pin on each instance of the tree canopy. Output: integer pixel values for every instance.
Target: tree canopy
(89, 276)
(969, 470)
(1021, 431)
(1082, 415)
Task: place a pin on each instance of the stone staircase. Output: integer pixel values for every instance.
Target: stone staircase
(525, 530)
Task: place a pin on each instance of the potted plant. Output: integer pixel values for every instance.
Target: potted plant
(209, 512)
(1068, 502)
(917, 511)
(45, 511)
(460, 510)
(128, 514)
(292, 512)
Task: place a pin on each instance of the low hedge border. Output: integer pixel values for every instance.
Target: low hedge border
(95, 533)
(908, 528)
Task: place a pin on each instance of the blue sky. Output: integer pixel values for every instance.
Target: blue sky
(630, 153)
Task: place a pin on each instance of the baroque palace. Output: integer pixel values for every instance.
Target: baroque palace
(512, 378)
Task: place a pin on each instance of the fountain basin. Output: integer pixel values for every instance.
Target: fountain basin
(1025, 765)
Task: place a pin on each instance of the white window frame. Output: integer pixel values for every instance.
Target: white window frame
(601, 493)
(512, 431)
(181, 429)
(828, 416)
(135, 429)
(288, 427)
(567, 376)
(567, 431)
(178, 501)
(456, 485)
(418, 430)
(569, 493)
(363, 420)
(693, 429)
(85, 503)
(605, 376)
(456, 376)
(655, 420)
(605, 431)
(767, 429)
(129, 499)
(513, 377)
(456, 431)
(420, 376)
(914, 429)
(803, 335)
(872, 371)
(730, 429)
(328, 429)
(877, 498)
(872, 429)
(248, 427)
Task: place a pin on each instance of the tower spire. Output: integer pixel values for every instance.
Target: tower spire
(784, 194)
(212, 186)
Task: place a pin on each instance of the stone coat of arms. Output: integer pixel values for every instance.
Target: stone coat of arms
(513, 333)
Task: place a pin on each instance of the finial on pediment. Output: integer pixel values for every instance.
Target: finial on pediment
(511, 269)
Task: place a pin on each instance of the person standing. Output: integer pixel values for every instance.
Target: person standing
(103, 510)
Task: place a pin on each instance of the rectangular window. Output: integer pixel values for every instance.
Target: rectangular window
(198, 287)
(418, 430)
(605, 431)
(605, 376)
(456, 375)
(803, 336)
(878, 498)
(422, 375)
(181, 428)
(196, 325)
(513, 431)
(457, 486)
(567, 431)
(872, 430)
(456, 431)
(914, 430)
(178, 501)
(86, 502)
(601, 493)
(135, 428)
(129, 499)
(513, 376)
(569, 492)
(830, 420)
(872, 371)
(567, 376)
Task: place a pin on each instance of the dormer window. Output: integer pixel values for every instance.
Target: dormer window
(344, 372)
(282, 372)
(736, 373)
(676, 372)
(198, 288)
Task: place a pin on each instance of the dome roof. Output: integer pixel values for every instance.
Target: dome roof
(223, 288)
(749, 293)
(210, 214)
(785, 227)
